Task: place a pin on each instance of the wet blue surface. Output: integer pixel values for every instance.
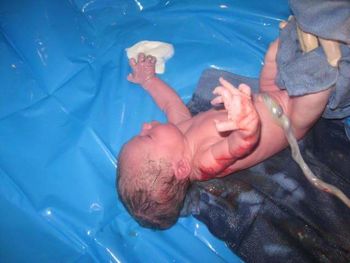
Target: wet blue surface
(66, 108)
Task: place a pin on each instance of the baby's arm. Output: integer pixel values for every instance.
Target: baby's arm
(164, 96)
(243, 125)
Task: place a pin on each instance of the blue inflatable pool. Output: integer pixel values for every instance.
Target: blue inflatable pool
(66, 109)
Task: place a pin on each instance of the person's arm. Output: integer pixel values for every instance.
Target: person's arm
(164, 96)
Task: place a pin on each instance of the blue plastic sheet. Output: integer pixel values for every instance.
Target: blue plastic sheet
(66, 108)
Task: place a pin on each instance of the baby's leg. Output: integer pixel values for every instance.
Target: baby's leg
(269, 71)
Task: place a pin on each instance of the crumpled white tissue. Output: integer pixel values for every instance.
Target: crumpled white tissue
(161, 50)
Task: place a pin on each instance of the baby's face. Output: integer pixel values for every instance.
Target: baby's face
(157, 140)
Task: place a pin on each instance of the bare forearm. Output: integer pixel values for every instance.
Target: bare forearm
(143, 73)
(242, 123)
(167, 100)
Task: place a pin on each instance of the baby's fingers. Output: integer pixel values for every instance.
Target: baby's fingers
(227, 85)
(132, 63)
(224, 96)
(245, 89)
(217, 100)
(141, 57)
(224, 126)
(222, 91)
(151, 59)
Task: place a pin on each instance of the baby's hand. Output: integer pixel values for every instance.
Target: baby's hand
(242, 115)
(142, 70)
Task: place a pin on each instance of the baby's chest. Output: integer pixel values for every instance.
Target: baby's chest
(204, 122)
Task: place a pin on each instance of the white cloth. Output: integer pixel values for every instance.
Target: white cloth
(161, 50)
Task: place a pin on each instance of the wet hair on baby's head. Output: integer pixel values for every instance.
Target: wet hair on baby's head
(151, 192)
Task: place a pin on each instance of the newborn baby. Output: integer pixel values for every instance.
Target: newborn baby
(156, 167)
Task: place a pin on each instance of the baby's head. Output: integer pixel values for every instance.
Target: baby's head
(153, 175)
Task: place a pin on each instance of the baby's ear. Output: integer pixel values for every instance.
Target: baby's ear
(182, 169)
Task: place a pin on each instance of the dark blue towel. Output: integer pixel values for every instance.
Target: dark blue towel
(208, 81)
(347, 127)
